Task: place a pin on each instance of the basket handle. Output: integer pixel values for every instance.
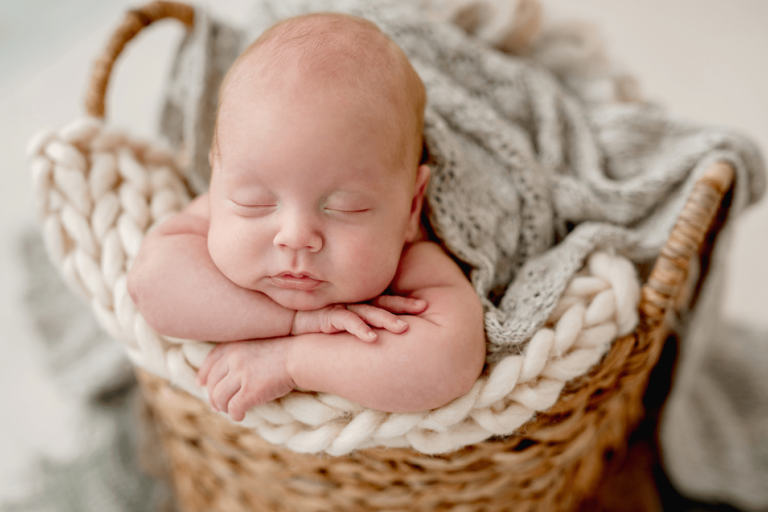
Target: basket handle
(685, 242)
(135, 20)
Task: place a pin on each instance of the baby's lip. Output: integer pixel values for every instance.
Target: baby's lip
(300, 281)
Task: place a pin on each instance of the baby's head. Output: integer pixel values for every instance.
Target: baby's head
(317, 183)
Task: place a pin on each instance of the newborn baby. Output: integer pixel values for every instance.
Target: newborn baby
(307, 259)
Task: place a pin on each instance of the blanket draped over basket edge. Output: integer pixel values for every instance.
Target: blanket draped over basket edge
(587, 175)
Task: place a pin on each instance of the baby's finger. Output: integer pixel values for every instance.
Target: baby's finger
(210, 360)
(396, 304)
(378, 317)
(223, 392)
(217, 373)
(346, 320)
(239, 405)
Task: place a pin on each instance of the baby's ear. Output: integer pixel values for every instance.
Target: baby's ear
(414, 221)
(422, 178)
(213, 152)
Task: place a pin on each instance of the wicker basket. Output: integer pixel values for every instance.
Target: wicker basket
(553, 464)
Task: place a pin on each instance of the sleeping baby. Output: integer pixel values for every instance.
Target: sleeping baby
(307, 259)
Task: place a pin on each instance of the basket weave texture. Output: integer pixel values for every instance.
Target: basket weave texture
(551, 464)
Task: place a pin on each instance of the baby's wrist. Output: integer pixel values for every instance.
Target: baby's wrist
(291, 366)
(295, 323)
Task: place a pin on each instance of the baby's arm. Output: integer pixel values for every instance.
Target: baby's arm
(436, 360)
(181, 293)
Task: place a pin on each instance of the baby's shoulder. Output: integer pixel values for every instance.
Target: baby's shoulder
(422, 247)
(425, 264)
(419, 257)
(420, 250)
(193, 219)
(200, 207)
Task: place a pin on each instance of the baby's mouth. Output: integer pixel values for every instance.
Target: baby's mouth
(296, 281)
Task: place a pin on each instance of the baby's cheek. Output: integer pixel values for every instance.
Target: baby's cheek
(216, 247)
(226, 252)
(373, 268)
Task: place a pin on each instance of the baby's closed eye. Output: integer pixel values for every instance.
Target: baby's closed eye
(346, 206)
(255, 205)
(253, 198)
(344, 202)
(348, 210)
(253, 210)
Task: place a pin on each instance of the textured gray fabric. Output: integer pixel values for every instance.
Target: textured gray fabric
(531, 173)
(207, 51)
(86, 362)
(714, 429)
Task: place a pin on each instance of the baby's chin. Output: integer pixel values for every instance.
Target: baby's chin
(299, 300)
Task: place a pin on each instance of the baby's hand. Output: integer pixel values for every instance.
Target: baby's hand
(242, 374)
(358, 319)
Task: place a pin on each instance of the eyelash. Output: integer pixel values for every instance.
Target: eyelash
(348, 212)
(253, 205)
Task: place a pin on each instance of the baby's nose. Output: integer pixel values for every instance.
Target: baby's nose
(298, 234)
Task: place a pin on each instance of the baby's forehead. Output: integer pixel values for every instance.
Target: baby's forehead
(341, 50)
(344, 57)
(371, 179)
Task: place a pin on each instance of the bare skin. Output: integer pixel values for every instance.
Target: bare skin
(435, 358)
(307, 259)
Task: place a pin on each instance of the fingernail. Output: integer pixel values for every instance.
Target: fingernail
(372, 335)
(401, 323)
(421, 303)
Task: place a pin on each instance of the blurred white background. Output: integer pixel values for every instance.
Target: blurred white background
(703, 59)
